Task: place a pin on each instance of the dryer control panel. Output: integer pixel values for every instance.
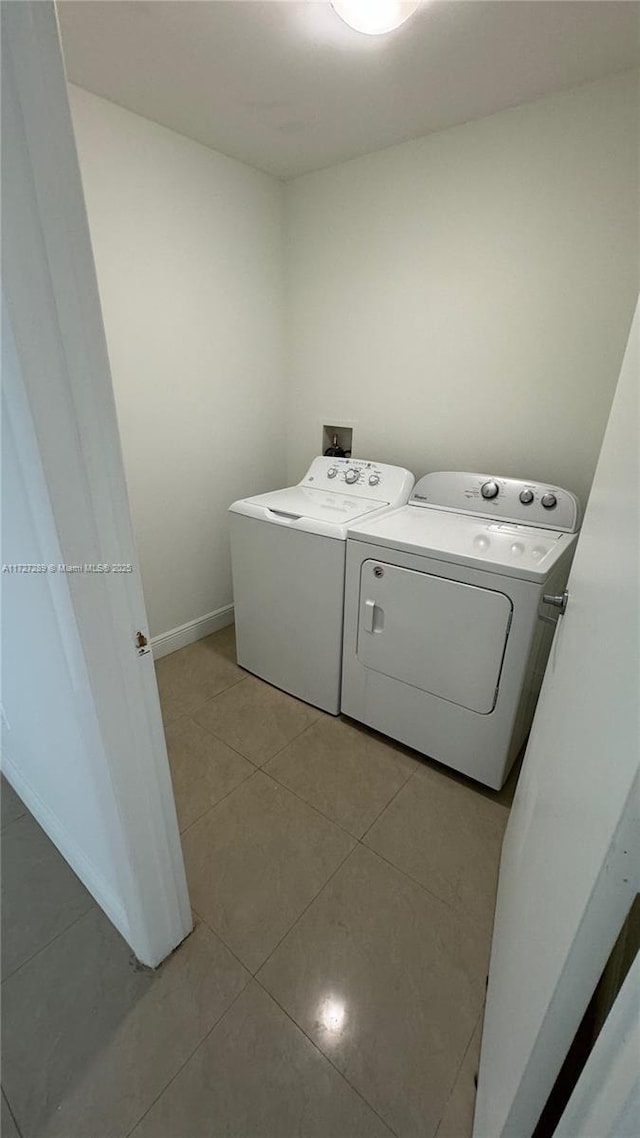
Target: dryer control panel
(361, 478)
(508, 499)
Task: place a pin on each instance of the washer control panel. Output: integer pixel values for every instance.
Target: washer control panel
(509, 499)
(490, 489)
(360, 477)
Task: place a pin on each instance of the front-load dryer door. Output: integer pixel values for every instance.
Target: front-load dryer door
(442, 636)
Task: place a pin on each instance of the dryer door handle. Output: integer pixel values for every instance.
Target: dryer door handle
(372, 616)
(369, 614)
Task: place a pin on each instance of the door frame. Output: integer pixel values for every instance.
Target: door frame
(53, 306)
(606, 1098)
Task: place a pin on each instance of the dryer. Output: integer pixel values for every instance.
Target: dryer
(288, 551)
(449, 607)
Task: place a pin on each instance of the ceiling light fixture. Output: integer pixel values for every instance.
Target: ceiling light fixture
(374, 17)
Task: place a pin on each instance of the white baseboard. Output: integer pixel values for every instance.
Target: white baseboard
(81, 865)
(191, 631)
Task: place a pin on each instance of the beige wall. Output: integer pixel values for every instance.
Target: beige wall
(466, 297)
(188, 249)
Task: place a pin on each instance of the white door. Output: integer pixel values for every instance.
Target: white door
(82, 734)
(569, 870)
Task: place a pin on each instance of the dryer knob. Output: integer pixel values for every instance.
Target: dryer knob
(352, 476)
(490, 489)
(549, 501)
(526, 497)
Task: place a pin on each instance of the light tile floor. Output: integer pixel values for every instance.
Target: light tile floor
(333, 987)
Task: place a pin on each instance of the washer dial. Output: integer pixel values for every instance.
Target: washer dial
(549, 501)
(352, 475)
(490, 489)
(526, 497)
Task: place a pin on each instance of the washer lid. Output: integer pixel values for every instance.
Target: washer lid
(299, 503)
(496, 547)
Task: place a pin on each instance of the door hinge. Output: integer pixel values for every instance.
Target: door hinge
(142, 644)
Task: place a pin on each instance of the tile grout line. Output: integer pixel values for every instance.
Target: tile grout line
(457, 911)
(450, 905)
(413, 880)
(290, 741)
(219, 801)
(219, 739)
(191, 1053)
(249, 974)
(301, 1028)
(392, 864)
(419, 757)
(265, 770)
(281, 786)
(93, 906)
(218, 1023)
(312, 805)
(313, 1043)
(11, 1112)
(459, 1069)
(388, 804)
(300, 916)
(253, 976)
(214, 930)
(190, 714)
(358, 842)
(217, 935)
(259, 766)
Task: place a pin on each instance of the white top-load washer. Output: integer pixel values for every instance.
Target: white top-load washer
(288, 558)
(447, 631)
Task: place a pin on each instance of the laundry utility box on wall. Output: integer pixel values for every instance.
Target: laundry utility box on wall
(340, 436)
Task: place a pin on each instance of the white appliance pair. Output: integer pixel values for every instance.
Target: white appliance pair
(445, 632)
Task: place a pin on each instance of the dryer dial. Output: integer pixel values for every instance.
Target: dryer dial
(549, 501)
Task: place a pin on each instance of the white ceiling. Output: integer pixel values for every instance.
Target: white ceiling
(285, 86)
